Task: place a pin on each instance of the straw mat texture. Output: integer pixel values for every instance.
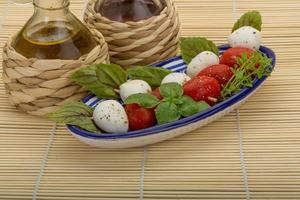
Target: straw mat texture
(253, 153)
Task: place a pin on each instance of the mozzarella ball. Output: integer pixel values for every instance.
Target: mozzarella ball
(176, 77)
(110, 116)
(134, 87)
(201, 61)
(247, 37)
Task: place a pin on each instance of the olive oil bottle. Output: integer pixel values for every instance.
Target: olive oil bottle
(129, 10)
(53, 32)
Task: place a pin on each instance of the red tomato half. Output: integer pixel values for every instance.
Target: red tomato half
(230, 55)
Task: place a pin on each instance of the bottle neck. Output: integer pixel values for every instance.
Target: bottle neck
(51, 10)
(51, 4)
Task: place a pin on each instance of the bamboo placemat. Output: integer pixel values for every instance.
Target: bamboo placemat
(253, 153)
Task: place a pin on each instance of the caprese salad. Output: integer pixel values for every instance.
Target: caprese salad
(142, 97)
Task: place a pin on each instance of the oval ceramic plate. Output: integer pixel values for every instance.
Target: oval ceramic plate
(163, 132)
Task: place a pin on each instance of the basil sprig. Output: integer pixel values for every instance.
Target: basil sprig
(75, 113)
(144, 100)
(189, 107)
(172, 107)
(171, 90)
(192, 46)
(167, 112)
(103, 79)
(152, 75)
(252, 18)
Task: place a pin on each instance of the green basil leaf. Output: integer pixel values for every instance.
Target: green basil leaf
(85, 75)
(152, 75)
(144, 100)
(101, 79)
(166, 112)
(75, 113)
(190, 107)
(252, 18)
(177, 101)
(171, 90)
(192, 46)
(202, 105)
(111, 74)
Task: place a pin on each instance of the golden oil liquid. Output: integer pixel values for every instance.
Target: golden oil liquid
(54, 40)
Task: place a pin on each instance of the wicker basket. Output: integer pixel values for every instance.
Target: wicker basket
(39, 86)
(143, 42)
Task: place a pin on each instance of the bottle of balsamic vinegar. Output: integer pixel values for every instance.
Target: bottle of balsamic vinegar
(129, 10)
(53, 32)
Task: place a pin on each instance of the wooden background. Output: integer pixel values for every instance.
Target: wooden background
(253, 153)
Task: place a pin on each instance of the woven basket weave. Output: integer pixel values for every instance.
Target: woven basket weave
(143, 42)
(39, 86)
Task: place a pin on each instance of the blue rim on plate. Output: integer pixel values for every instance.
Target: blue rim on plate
(176, 64)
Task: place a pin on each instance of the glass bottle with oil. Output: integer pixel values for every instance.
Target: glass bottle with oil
(129, 10)
(53, 32)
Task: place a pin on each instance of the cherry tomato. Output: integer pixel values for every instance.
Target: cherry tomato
(156, 93)
(140, 118)
(203, 88)
(222, 73)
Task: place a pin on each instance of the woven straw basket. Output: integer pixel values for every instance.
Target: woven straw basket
(39, 86)
(143, 42)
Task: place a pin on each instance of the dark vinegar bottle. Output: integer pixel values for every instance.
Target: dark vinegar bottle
(129, 10)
